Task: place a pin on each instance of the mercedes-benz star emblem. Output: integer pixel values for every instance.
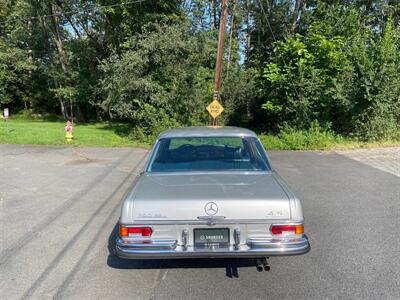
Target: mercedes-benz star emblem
(211, 208)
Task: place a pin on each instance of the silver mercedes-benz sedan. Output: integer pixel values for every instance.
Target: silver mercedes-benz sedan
(210, 192)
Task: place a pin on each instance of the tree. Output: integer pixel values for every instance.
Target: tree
(15, 63)
(166, 72)
(342, 73)
(151, 63)
(376, 114)
(304, 81)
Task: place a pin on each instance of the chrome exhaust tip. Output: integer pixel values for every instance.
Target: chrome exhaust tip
(262, 264)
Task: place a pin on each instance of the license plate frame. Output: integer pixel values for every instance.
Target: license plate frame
(211, 238)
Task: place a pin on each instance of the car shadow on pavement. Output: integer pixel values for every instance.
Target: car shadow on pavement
(231, 265)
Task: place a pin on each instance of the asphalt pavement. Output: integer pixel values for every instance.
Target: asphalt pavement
(59, 208)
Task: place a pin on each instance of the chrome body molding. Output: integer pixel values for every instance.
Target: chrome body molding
(158, 249)
(147, 245)
(208, 220)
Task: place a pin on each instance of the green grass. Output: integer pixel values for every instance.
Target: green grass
(38, 132)
(41, 132)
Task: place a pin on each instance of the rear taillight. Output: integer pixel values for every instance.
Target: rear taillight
(135, 231)
(282, 229)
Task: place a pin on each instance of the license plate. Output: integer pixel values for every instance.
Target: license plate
(211, 238)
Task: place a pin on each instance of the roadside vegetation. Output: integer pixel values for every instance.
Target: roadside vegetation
(306, 74)
(48, 131)
(316, 139)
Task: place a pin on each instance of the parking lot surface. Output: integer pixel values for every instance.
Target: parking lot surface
(59, 208)
(385, 159)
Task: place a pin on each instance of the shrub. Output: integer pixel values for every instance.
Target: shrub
(150, 122)
(314, 138)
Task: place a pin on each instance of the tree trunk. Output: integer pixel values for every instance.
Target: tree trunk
(77, 33)
(215, 14)
(30, 59)
(248, 31)
(57, 37)
(63, 110)
(99, 116)
(296, 15)
(110, 115)
(210, 15)
(72, 110)
(52, 62)
(60, 49)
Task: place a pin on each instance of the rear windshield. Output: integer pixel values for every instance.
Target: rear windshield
(208, 154)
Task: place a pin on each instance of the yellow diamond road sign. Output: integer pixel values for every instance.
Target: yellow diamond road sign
(215, 108)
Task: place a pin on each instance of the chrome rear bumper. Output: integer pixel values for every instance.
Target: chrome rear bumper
(253, 248)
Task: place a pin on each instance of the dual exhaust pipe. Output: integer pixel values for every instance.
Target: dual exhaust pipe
(261, 268)
(262, 264)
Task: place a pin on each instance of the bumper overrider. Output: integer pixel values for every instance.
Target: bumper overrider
(163, 248)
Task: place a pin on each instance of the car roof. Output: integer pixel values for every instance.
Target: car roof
(207, 131)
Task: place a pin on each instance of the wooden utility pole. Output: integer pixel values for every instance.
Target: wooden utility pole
(220, 53)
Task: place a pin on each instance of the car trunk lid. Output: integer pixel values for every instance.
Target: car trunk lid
(196, 196)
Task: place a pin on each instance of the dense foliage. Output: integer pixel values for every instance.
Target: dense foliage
(347, 79)
(288, 65)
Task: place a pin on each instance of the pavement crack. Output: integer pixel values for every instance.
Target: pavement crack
(160, 275)
(81, 155)
(165, 275)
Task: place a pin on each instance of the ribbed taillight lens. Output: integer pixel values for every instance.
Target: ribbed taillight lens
(281, 229)
(135, 231)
